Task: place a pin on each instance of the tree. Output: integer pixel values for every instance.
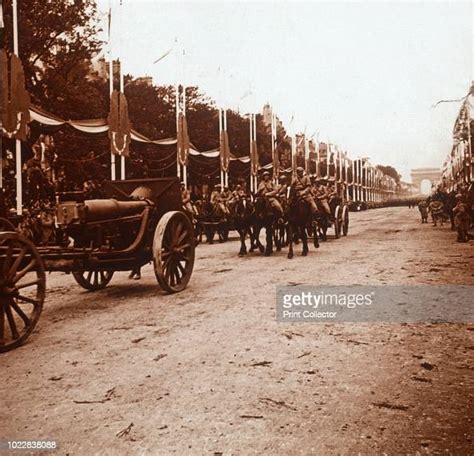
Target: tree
(56, 42)
(390, 171)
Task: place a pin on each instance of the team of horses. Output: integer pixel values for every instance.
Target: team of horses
(254, 214)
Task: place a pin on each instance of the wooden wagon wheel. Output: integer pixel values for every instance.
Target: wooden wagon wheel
(345, 219)
(6, 225)
(173, 251)
(337, 222)
(93, 280)
(22, 289)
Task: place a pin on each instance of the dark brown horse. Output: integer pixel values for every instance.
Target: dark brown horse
(299, 217)
(265, 217)
(242, 214)
(213, 222)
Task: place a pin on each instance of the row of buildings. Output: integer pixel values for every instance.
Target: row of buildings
(458, 168)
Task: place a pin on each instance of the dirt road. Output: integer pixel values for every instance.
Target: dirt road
(211, 371)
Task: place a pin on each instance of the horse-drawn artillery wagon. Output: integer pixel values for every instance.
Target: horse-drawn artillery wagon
(140, 221)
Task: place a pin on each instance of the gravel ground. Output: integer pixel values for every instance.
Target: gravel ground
(211, 371)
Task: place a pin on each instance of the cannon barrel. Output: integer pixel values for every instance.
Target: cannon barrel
(71, 212)
(100, 209)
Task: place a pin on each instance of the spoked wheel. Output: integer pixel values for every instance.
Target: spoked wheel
(173, 251)
(337, 222)
(6, 225)
(93, 280)
(22, 289)
(345, 219)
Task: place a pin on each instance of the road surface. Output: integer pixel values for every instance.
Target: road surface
(211, 371)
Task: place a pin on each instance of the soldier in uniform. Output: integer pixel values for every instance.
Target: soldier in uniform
(236, 194)
(186, 198)
(282, 188)
(320, 193)
(268, 190)
(302, 185)
(218, 202)
(226, 195)
(462, 221)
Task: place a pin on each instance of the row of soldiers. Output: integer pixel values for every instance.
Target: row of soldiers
(318, 193)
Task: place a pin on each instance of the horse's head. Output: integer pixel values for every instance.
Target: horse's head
(243, 208)
(207, 209)
(261, 205)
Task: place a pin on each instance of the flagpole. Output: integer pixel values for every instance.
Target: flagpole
(226, 173)
(251, 153)
(328, 156)
(111, 86)
(121, 76)
(256, 148)
(273, 134)
(185, 168)
(2, 27)
(221, 146)
(306, 153)
(19, 183)
(122, 157)
(293, 155)
(178, 133)
(317, 157)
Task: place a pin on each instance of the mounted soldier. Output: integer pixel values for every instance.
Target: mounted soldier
(186, 199)
(218, 202)
(321, 195)
(282, 188)
(302, 186)
(236, 195)
(267, 189)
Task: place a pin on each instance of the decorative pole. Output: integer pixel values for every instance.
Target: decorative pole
(19, 183)
(328, 156)
(226, 172)
(251, 153)
(346, 176)
(122, 157)
(317, 157)
(121, 79)
(185, 133)
(293, 155)
(111, 86)
(221, 143)
(274, 150)
(178, 131)
(256, 149)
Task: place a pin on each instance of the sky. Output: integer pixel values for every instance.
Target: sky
(364, 75)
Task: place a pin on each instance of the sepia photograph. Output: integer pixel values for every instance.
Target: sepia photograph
(237, 227)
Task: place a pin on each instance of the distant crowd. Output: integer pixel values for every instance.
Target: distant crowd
(456, 205)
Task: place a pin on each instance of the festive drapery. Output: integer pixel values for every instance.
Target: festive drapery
(183, 140)
(254, 165)
(96, 126)
(224, 151)
(14, 99)
(119, 124)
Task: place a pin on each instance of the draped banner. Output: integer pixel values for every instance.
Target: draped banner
(98, 126)
(119, 124)
(254, 159)
(183, 140)
(276, 162)
(224, 150)
(14, 99)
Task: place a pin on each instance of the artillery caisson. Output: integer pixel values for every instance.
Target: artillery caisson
(139, 221)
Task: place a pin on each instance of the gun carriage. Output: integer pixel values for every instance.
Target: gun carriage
(139, 221)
